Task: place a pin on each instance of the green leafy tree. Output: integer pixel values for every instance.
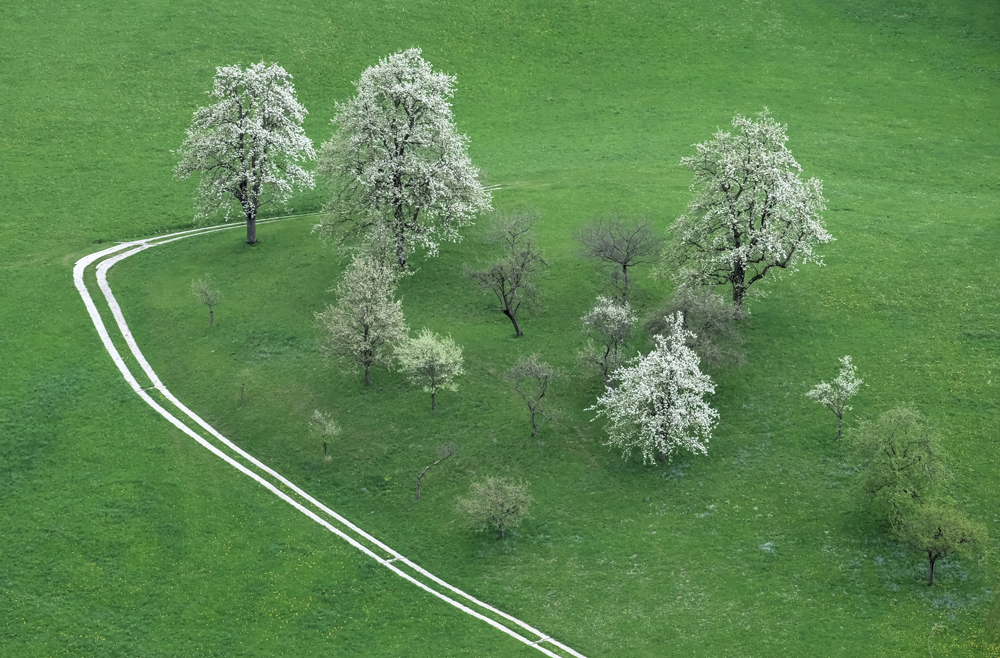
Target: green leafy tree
(903, 464)
(495, 503)
(939, 531)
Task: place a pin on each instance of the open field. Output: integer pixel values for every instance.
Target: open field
(123, 537)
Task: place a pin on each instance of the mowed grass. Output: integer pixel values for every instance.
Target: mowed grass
(124, 539)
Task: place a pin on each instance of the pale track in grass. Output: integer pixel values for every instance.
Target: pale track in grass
(190, 423)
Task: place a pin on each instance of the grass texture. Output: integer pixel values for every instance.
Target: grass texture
(123, 538)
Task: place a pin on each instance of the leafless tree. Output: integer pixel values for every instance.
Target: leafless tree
(510, 276)
(446, 451)
(531, 381)
(622, 243)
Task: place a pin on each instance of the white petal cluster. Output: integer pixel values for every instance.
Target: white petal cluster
(366, 323)
(249, 144)
(834, 396)
(658, 406)
(397, 156)
(608, 325)
(751, 212)
(431, 361)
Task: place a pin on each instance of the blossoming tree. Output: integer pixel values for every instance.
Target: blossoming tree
(834, 396)
(751, 211)
(658, 405)
(366, 324)
(398, 159)
(248, 145)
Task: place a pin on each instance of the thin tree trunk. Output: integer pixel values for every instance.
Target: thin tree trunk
(932, 561)
(433, 410)
(534, 427)
(368, 375)
(211, 318)
(840, 424)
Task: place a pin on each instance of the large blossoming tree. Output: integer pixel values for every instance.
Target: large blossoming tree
(398, 160)
(248, 145)
(658, 405)
(751, 212)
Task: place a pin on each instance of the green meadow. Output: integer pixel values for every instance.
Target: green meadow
(122, 537)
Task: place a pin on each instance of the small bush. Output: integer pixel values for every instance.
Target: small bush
(495, 503)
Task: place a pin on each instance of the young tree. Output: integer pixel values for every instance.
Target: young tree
(658, 405)
(939, 531)
(431, 362)
(367, 323)
(495, 503)
(834, 396)
(248, 145)
(710, 321)
(397, 158)
(446, 451)
(531, 381)
(207, 293)
(903, 464)
(622, 244)
(607, 326)
(325, 426)
(751, 212)
(510, 276)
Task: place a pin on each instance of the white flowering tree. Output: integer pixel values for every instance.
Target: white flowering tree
(366, 323)
(834, 396)
(607, 326)
(431, 362)
(248, 145)
(658, 406)
(751, 212)
(397, 158)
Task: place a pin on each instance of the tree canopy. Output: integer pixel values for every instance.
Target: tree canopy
(397, 158)
(751, 211)
(248, 145)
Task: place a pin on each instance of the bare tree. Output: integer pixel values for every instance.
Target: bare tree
(446, 451)
(531, 381)
(208, 294)
(622, 244)
(509, 277)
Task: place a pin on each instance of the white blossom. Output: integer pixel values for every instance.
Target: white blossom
(658, 406)
(834, 396)
(366, 324)
(431, 362)
(398, 159)
(607, 326)
(751, 211)
(248, 145)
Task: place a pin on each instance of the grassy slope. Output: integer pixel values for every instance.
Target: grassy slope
(575, 110)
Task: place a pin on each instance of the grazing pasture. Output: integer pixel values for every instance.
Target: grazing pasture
(123, 537)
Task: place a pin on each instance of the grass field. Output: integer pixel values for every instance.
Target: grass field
(124, 538)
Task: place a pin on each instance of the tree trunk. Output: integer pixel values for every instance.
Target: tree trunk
(252, 230)
(368, 375)
(534, 427)
(840, 424)
(625, 278)
(517, 329)
(433, 409)
(933, 559)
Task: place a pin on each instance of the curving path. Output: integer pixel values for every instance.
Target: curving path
(188, 422)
